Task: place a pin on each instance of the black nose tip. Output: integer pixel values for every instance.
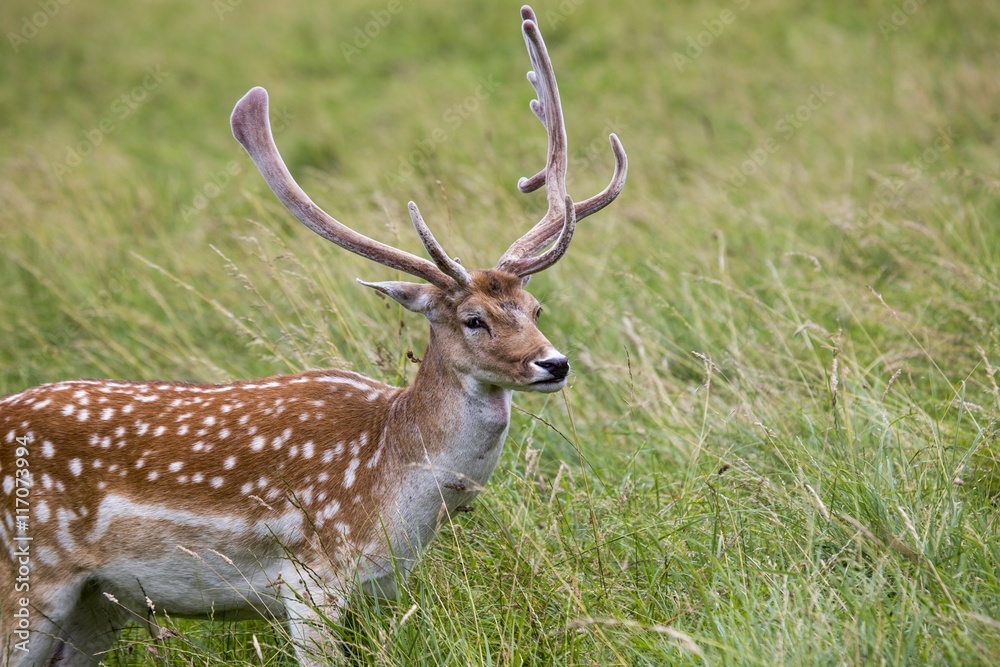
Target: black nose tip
(558, 367)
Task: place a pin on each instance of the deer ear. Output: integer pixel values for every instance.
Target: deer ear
(415, 297)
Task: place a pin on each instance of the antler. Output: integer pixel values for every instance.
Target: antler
(559, 221)
(252, 129)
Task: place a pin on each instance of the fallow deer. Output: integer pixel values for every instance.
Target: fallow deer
(277, 497)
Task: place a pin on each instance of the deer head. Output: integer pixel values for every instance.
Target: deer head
(483, 320)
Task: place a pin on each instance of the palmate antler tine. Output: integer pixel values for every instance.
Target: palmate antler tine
(547, 106)
(252, 129)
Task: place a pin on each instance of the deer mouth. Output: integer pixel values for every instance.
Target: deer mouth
(547, 384)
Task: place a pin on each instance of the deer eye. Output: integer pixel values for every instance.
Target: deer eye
(538, 313)
(474, 323)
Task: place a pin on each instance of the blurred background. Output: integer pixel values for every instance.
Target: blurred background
(778, 443)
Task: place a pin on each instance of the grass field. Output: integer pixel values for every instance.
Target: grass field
(779, 445)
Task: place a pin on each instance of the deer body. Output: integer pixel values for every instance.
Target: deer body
(275, 498)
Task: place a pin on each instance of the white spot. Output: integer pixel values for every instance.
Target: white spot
(244, 419)
(198, 446)
(140, 463)
(349, 473)
(128, 409)
(327, 456)
(98, 463)
(8, 485)
(262, 482)
(48, 451)
(308, 449)
(281, 439)
(197, 478)
(107, 413)
(68, 409)
(120, 432)
(160, 430)
(82, 415)
(141, 427)
(331, 510)
(182, 430)
(361, 386)
(175, 466)
(230, 462)
(257, 443)
(46, 481)
(182, 479)
(216, 482)
(246, 488)
(76, 467)
(42, 512)
(209, 421)
(223, 434)
(47, 555)
(152, 475)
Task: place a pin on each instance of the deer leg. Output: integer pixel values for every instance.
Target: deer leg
(33, 640)
(90, 630)
(312, 607)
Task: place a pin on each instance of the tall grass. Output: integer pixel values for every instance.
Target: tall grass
(779, 445)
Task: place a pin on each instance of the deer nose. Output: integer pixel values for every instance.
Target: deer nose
(558, 367)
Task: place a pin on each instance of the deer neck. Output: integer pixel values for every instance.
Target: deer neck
(451, 422)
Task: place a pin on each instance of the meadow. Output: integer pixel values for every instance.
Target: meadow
(779, 445)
